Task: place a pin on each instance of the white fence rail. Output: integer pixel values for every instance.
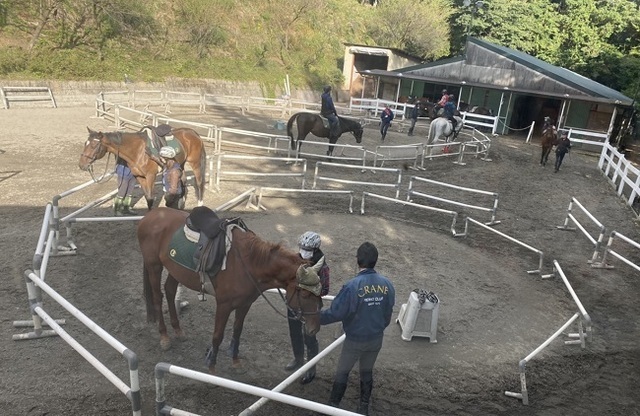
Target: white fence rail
(26, 94)
(514, 240)
(597, 243)
(289, 172)
(479, 120)
(395, 184)
(610, 251)
(621, 173)
(411, 192)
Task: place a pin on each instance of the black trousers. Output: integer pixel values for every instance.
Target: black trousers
(299, 339)
(365, 353)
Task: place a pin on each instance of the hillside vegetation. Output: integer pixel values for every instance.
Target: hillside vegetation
(150, 40)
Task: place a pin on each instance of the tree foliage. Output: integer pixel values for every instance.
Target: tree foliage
(241, 40)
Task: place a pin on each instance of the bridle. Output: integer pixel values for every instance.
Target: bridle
(296, 315)
(94, 157)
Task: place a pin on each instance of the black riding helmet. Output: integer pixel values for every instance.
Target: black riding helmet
(327, 88)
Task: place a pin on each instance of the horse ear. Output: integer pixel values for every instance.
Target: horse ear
(89, 130)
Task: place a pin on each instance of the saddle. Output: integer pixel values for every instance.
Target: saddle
(158, 138)
(213, 241)
(326, 124)
(203, 243)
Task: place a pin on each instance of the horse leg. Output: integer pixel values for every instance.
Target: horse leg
(223, 310)
(153, 286)
(147, 183)
(198, 172)
(170, 290)
(332, 141)
(238, 324)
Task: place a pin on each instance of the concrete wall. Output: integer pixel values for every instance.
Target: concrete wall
(82, 93)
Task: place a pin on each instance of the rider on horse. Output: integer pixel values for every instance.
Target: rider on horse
(450, 112)
(548, 124)
(440, 104)
(328, 110)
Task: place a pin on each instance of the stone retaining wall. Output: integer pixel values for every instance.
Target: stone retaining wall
(81, 93)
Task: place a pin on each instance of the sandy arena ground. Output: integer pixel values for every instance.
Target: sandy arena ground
(492, 312)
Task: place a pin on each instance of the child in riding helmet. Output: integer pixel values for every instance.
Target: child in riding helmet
(309, 249)
(122, 203)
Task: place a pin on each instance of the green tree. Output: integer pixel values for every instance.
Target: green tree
(419, 27)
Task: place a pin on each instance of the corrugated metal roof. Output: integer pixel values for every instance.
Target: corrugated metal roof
(592, 90)
(560, 74)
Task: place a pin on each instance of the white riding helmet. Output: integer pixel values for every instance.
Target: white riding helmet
(167, 152)
(307, 243)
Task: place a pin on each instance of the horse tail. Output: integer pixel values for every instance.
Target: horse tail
(432, 129)
(148, 295)
(290, 129)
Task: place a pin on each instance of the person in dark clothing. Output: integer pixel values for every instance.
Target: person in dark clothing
(385, 121)
(309, 249)
(414, 118)
(364, 305)
(561, 149)
(328, 110)
(126, 182)
(450, 111)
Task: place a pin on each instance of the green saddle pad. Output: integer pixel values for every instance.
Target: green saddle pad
(181, 250)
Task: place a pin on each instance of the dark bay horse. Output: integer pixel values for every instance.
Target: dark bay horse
(312, 123)
(252, 266)
(132, 148)
(549, 139)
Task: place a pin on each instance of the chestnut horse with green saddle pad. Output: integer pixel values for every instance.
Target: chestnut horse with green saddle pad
(250, 267)
(134, 148)
(314, 124)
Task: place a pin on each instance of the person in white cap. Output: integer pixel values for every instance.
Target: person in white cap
(309, 249)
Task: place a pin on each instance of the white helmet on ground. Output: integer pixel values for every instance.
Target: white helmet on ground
(307, 243)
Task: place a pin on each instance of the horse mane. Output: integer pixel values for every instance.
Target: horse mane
(351, 124)
(262, 252)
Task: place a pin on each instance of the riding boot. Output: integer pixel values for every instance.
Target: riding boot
(337, 391)
(312, 351)
(117, 206)
(296, 363)
(126, 206)
(365, 396)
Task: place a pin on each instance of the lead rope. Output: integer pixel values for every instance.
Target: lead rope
(255, 284)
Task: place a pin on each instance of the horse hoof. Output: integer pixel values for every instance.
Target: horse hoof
(212, 369)
(165, 344)
(236, 363)
(180, 335)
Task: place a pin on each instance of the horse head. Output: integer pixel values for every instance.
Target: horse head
(357, 133)
(93, 150)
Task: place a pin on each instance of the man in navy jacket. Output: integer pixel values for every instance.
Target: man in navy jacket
(364, 305)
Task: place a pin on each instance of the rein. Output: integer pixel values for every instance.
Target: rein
(93, 159)
(299, 315)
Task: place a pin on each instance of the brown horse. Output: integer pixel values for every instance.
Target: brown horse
(252, 266)
(549, 139)
(132, 148)
(312, 123)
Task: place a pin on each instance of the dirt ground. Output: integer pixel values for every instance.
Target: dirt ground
(492, 312)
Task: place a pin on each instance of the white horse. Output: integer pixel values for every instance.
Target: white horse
(441, 126)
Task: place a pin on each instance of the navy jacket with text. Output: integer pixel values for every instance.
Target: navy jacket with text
(364, 305)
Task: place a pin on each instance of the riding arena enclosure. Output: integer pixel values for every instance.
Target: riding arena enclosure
(265, 169)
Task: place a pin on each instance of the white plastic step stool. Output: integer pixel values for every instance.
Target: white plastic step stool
(418, 320)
